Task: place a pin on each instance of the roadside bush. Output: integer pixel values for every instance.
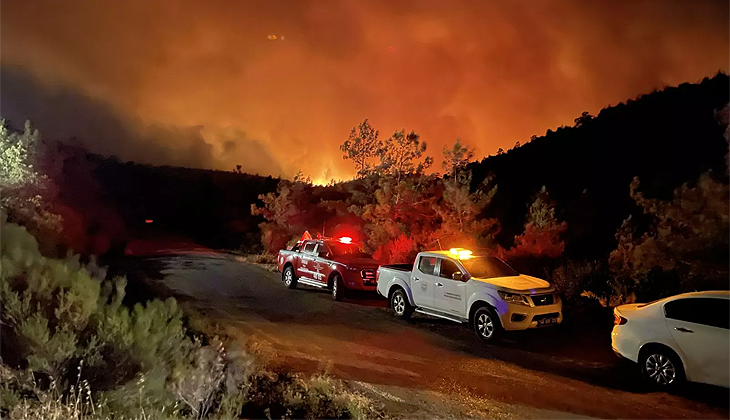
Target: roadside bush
(401, 249)
(571, 279)
(71, 349)
(684, 248)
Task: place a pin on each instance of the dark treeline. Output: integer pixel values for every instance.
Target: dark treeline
(104, 203)
(665, 138)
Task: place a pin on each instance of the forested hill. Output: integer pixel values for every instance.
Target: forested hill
(665, 138)
(104, 202)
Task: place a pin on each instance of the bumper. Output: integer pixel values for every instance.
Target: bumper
(354, 281)
(521, 317)
(624, 344)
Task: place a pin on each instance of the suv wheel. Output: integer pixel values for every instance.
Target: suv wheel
(661, 367)
(401, 307)
(338, 288)
(290, 279)
(486, 324)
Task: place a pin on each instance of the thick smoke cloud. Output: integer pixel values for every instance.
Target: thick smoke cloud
(62, 113)
(491, 73)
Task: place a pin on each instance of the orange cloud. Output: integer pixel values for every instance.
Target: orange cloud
(491, 73)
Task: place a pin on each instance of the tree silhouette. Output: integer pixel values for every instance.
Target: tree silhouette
(361, 145)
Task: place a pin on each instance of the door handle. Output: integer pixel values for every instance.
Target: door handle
(416, 279)
(439, 285)
(684, 330)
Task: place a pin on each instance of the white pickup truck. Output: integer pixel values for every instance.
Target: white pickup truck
(483, 291)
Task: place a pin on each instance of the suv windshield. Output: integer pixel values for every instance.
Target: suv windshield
(488, 267)
(338, 248)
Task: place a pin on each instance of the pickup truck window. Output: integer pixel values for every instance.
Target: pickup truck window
(488, 268)
(339, 248)
(427, 265)
(309, 247)
(448, 268)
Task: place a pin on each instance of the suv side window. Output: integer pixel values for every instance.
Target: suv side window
(427, 265)
(706, 311)
(448, 268)
(309, 247)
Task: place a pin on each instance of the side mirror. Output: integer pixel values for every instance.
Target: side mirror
(457, 276)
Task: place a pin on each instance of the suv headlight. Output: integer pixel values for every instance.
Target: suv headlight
(514, 298)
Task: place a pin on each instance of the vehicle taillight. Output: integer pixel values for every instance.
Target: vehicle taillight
(619, 320)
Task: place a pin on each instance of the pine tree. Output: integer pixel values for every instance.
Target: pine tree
(361, 145)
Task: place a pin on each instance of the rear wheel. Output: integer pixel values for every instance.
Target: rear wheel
(401, 307)
(338, 288)
(290, 279)
(661, 367)
(486, 324)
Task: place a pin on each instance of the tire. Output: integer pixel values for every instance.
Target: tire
(661, 367)
(401, 307)
(486, 324)
(338, 288)
(289, 277)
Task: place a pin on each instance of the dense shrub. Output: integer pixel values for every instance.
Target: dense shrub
(71, 349)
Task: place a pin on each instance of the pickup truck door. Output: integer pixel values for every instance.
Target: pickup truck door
(423, 281)
(450, 294)
(320, 265)
(306, 260)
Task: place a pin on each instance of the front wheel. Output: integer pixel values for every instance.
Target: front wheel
(290, 279)
(486, 324)
(401, 307)
(338, 288)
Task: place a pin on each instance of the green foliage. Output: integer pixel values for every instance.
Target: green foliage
(684, 248)
(17, 157)
(400, 155)
(283, 212)
(102, 359)
(456, 158)
(20, 182)
(572, 278)
(459, 211)
(56, 315)
(542, 238)
(361, 146)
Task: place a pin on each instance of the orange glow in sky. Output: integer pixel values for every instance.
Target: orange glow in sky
(203, 84)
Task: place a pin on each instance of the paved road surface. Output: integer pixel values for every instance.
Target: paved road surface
(360, 340)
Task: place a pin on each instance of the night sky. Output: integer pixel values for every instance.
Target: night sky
(201, 84)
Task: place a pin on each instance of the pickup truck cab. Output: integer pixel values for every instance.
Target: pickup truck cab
(485, 292)
(335, 264)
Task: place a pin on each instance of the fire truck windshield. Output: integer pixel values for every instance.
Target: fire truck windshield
(339, 248)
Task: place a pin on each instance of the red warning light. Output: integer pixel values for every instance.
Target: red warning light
(346, 240)
(148, 221)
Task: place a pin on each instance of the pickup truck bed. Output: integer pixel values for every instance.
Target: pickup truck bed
(399, 267)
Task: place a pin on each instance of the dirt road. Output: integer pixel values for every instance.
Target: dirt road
(535, 374)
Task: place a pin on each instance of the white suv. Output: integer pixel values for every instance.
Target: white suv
(677, 338)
